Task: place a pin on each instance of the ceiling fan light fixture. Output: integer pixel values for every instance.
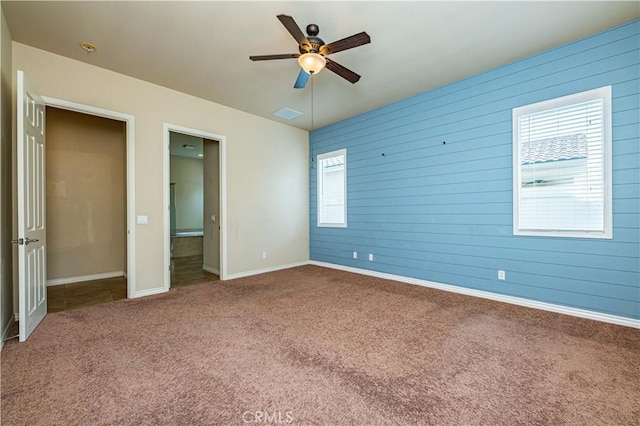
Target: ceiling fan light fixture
(312, 63)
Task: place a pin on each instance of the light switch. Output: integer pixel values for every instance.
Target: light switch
(143, 219)
(213, 218)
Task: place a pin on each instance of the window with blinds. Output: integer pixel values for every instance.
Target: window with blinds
(562, 166)
(332, 189)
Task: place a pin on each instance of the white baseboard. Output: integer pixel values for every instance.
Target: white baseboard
(150, 292)
(265, 270)
(582, 313)
(82, 278)
(211, 269)
(5, 332)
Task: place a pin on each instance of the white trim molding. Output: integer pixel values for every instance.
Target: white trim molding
(83, 278)
(149, 292)
(265, 270)
(582, 313)
(211, 269)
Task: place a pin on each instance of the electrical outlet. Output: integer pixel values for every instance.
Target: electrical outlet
(501, 275)
(370, 257)
(264, 254)
(355, 254)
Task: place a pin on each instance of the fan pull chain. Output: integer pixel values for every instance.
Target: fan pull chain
(312, 159)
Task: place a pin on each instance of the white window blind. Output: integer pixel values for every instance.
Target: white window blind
(562, 169)
(332, 189)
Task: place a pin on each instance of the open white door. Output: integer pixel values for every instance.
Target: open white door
(31, 209)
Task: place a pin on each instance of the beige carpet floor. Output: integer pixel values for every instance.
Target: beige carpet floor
(313, 346)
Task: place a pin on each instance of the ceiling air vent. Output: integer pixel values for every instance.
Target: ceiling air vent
(287, 113)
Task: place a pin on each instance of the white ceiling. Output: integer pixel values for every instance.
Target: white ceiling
(177, 142)
(203, 48)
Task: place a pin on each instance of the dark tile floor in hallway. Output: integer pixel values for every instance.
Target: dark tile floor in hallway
(188, 270)
(185, 271)
(87, 293)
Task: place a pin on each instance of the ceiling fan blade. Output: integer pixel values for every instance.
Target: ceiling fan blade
(294, 29)
(346, 43)
(301, 82)
(270, 57)
(343, 72)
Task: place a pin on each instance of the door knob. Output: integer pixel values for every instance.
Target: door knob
(25, 241)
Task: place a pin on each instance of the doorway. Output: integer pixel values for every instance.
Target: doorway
(86, 209)
(108, 222)
(194, 193)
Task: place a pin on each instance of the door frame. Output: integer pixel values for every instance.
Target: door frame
(222, 145)
(130, 168)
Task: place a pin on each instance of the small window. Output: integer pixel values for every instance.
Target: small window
(562, 166)
(332, 189)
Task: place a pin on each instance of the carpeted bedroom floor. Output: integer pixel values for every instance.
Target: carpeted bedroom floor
(314, 346)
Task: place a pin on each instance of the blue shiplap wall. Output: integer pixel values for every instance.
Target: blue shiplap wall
(443, 212)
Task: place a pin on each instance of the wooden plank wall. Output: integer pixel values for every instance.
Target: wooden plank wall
(443, 211)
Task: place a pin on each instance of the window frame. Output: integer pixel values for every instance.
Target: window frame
(603, 93)
(319, 193)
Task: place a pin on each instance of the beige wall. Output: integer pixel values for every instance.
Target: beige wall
(6, 257)
(211, 243)
(86, 195)
(186, 173)
(267, 206)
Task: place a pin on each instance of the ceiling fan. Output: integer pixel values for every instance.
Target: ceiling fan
(313, 52)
